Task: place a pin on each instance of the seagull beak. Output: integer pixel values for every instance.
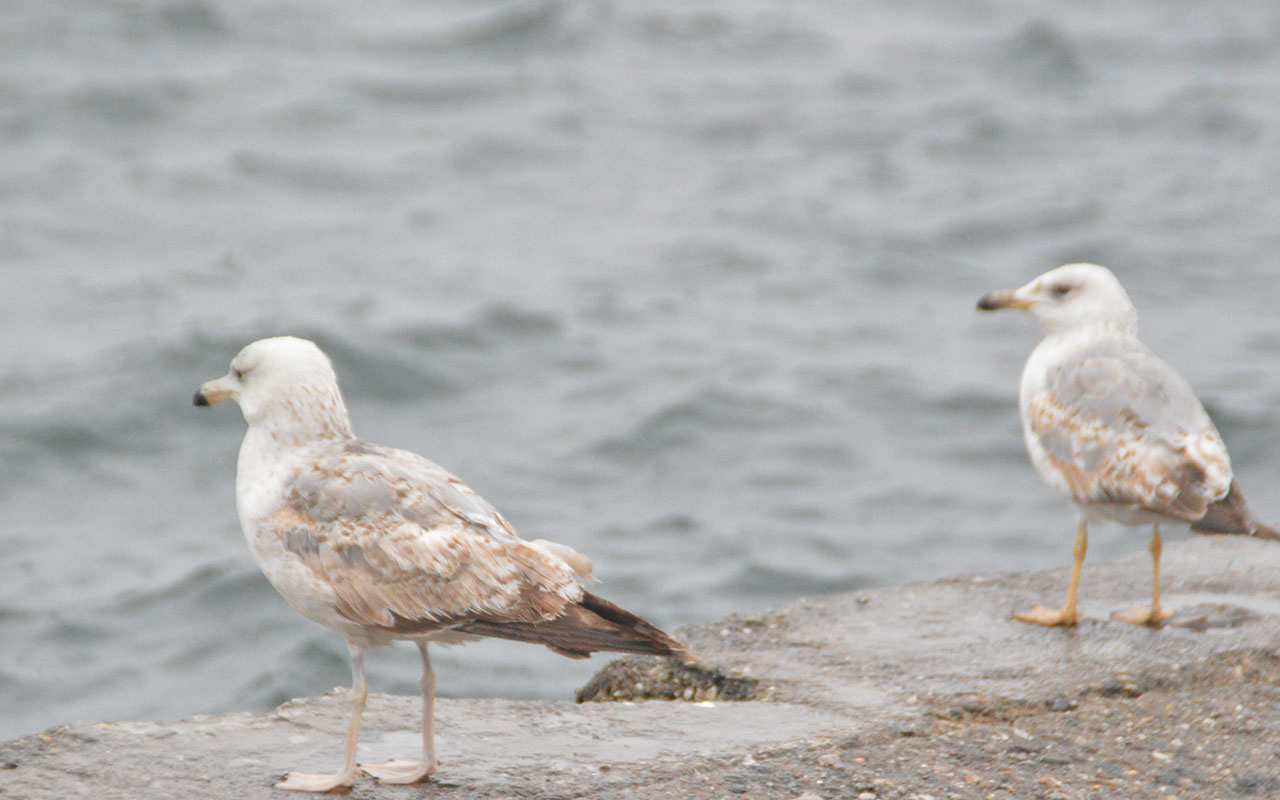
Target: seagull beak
(213, 392)
(996, 301)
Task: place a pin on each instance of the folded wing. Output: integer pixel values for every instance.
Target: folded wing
(409, 549)
(1120, 426)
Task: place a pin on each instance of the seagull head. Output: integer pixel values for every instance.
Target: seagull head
(286, 386)
(1073, 296)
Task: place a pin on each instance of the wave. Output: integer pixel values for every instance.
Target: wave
(317, 173)
(192, 18)
(758, 36)
(683, 423)
(505, 29)
(432, 91)
(1042, 56)
(134, 398)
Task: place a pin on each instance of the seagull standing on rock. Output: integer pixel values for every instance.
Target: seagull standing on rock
(383, 545)
(1116, 429)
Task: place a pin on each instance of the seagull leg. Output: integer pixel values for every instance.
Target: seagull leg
(1154, 615)
(346, 778)
(400, 771)
(1066, 616)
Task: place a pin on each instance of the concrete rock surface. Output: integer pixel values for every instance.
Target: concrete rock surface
(927, 690)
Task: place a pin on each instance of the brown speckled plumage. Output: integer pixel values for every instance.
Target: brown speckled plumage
(383, 545)
(1114, 428)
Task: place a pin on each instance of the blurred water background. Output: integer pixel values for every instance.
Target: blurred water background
(685, 284)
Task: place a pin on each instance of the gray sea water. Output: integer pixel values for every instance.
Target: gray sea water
(685, 284)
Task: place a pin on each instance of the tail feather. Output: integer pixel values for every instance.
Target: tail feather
(590, 625)
(1230, 515)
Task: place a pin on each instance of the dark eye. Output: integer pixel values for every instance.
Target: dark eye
(238, 372)
(1061, 289)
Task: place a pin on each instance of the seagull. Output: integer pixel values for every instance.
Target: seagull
(383, 545)
(1115, 429)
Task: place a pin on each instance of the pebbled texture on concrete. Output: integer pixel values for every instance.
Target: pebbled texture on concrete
(922, 690)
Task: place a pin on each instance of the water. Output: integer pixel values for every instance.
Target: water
(688, 286)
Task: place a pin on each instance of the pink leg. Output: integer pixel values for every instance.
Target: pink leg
(346, 778)
(400, 771)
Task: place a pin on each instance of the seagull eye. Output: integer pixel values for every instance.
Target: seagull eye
(1061, 289)
(238, 372)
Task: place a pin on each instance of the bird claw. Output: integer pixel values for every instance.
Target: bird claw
(1151, 616)
(1050, 617)
(400, 771)
(311, 782)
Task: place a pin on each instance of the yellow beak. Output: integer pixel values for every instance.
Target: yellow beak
(996, 301)
(213, 392)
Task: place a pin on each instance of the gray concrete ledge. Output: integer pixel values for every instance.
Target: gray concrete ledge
(927, 690)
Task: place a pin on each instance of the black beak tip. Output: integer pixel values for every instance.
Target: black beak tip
(987, 303)
(199, 399)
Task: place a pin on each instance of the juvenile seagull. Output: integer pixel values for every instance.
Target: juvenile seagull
(382, 544)
(1114, 428)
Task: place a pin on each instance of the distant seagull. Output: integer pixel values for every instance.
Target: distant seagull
(1114, 428)
(382, 544)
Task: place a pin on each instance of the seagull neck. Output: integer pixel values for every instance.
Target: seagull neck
(288, 429)
(1110, 326)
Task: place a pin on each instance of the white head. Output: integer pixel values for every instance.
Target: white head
(286, 387)
(1070, 297)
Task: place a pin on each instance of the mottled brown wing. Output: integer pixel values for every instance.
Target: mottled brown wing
(1121, 426)
(409, 548)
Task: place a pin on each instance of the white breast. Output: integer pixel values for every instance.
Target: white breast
(261, 473)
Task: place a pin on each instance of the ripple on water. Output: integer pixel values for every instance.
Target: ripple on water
(498, 31)
(193, 18)
(682, 424)
(751, 236)
(1041, 55)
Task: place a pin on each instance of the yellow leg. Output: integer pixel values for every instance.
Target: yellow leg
(1065, 616)
(1154, 615)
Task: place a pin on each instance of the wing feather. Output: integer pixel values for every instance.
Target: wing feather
(407, 547)
(1117, 425)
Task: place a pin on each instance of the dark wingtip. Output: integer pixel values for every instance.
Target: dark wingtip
(1230, 515)
(1265, 532)
(199, 399)
(650, 639)
(591, 625)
